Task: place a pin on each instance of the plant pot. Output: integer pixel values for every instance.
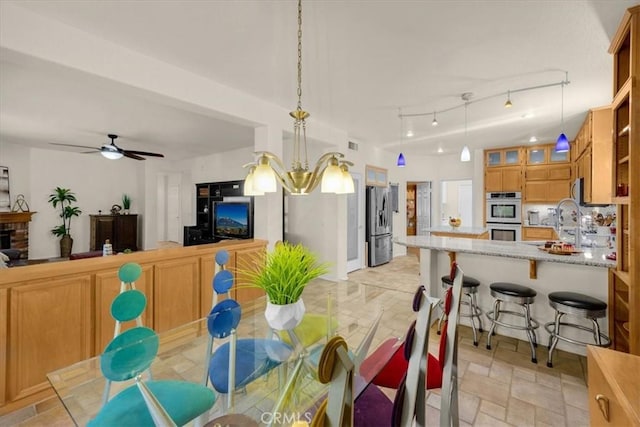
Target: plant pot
(66, 244)
(284, 317)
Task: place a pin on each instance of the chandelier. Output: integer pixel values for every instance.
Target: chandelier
(330, 170)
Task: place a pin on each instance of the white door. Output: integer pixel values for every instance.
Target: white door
(169, 208)
(355, 232)
(423, 208)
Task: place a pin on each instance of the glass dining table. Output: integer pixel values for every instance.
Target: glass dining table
(352, 309)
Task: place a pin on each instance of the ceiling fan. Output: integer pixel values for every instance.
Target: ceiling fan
(113, 152)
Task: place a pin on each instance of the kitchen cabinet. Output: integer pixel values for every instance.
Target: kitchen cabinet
(624, 279)
(506, 178)
(594, 151)
(613, 387)
(376, 176)
(547, 175)
(120, 230)
(503, 157)
(539, 233)
(545, 154)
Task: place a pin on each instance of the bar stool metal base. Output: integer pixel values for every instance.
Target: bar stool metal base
(517, 295)
(474, 311)
(580, 306)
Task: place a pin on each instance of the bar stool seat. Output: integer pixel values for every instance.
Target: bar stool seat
(577, 305)
(505, 292)
(470, 289)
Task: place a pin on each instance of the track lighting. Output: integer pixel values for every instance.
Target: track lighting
(435, 121)
(508, 104)
(562, 143)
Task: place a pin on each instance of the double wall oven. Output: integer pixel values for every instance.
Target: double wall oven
(504, 215)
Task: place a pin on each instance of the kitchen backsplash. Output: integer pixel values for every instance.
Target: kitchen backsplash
(544, 214)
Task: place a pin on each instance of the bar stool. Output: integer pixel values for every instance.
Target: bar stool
(517, 294)
(578, 305)
(470, 289)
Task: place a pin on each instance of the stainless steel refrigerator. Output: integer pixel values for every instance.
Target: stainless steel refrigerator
(380, 247)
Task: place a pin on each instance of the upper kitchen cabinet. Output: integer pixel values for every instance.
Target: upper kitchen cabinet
(545, 154)
(593, 151)
(376, 176)
(503, 157)
(508, 178)
(624, 280)
(547, 175)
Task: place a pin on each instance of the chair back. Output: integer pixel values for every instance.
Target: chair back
(129, 354)
(411, 395)
(222, 277)
(128, 274)
(449, 350)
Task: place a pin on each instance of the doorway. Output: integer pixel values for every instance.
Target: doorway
(456, 200)
(169, 208)
(354, 225)
(418, 210)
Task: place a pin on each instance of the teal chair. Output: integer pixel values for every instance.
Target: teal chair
(147, 403)
(128, 274)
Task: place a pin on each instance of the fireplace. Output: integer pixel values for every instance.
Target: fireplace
(5, 239)
(14, 231)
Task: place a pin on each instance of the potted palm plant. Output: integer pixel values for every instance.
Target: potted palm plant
(64, 197)
(126, 203)
(283, 275)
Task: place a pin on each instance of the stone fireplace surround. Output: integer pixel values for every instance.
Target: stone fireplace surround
(14, 231)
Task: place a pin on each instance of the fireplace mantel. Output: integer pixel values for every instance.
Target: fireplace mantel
(15, 217)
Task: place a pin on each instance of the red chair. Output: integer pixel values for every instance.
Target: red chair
(441, 372)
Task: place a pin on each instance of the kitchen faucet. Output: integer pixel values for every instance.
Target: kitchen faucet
(578, 231)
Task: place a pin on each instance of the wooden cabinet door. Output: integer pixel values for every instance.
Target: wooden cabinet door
(43, 315)
(535, 191)
(588, 189)
(559, 172)
(176, 293)
(493, 180)
(244, 293)
(102, 229)
(493, 158)
(511, 179)
(536, 173)
(126, 233)
(557, 190)
(107, 288)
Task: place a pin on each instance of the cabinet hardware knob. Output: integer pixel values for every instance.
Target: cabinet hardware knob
(603, 404)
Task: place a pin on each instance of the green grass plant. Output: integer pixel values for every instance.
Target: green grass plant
(282, 273)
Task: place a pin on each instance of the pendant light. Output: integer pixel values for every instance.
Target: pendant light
(562, 143)
(434, 122)
(508, 104)
(465, 155)
(331, 171)
(401, 161)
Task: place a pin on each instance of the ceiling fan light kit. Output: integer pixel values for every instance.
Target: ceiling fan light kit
(113, 152)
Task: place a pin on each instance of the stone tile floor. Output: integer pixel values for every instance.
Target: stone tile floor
(497, 387)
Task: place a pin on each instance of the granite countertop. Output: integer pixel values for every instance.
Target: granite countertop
(459, 230)
(538, 226)
(594, 257)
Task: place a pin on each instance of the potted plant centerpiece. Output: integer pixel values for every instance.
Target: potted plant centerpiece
(283, 275)
(64, 197)
(126, 203)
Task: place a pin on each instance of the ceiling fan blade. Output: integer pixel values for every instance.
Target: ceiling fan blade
(131, 155)
(144, 153)
(78, 146)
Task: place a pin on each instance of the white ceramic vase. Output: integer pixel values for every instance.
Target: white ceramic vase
(284, 317)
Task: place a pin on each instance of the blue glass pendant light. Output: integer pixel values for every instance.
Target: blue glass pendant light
(562, 143)
(401, 162)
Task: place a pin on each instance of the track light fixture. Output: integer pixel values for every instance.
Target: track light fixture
(435, 121)
(401, 161)
(562, 143)
(465, 155)
(508, 104)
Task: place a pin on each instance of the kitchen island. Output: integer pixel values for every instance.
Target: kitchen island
(517, 262)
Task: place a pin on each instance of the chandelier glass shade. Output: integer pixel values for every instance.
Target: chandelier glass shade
(562, 143)
(330, 172)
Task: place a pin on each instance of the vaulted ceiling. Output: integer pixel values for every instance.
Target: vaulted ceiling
(363, 63)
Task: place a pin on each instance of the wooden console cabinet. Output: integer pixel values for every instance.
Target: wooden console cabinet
(120, 230)
(55, 314)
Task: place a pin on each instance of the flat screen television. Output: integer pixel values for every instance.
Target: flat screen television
(232, 220)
